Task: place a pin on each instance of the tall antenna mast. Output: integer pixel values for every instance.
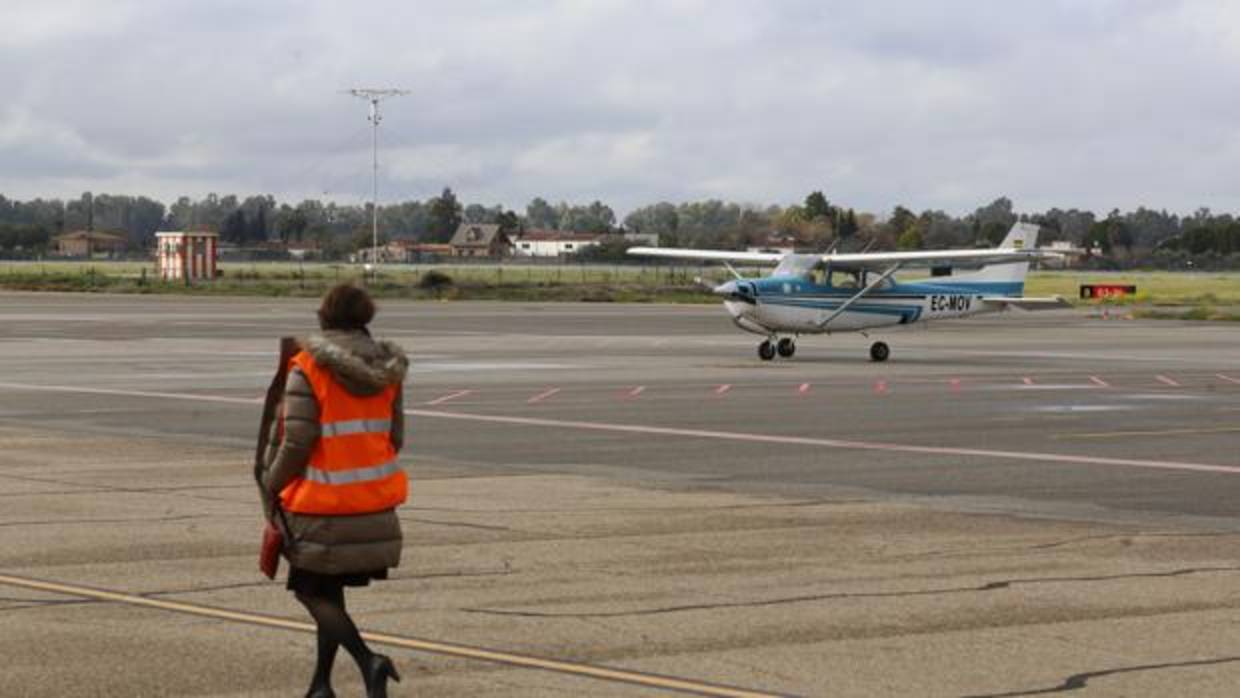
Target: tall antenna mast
(374, 96)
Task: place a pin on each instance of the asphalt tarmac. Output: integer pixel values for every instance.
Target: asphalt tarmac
(1012, 504)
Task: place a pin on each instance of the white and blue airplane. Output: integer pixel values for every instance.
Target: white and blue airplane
(858, 292)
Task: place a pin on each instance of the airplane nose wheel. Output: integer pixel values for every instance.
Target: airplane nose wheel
(879, 351)
(786, 347)
(766, 350)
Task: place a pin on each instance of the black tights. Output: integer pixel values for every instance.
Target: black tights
(335, 628)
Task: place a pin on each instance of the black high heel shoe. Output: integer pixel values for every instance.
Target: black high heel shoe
(321, 692)
(377, 674)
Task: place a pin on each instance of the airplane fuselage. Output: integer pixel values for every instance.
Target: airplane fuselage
(795, 305)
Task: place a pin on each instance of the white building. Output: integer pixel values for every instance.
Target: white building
(553, 243)
(188, 256)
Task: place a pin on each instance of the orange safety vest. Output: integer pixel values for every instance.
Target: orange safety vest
(352, 468)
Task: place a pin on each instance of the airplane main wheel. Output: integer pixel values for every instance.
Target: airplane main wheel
(879, 351)
(766, 350)
(786, 348)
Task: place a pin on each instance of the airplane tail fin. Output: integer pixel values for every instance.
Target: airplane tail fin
(1006, 279)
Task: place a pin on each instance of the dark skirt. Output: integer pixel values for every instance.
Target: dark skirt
(311, 583)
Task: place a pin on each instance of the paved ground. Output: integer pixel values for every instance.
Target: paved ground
(1014, 505)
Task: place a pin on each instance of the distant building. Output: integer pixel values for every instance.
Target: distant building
(187, 256)
(88, 243)
(780, 243)
(553, 243)
(304, 249)
(405, 251)
(643, 239)
(480, 240)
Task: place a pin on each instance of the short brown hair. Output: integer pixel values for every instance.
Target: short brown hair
(346, 307)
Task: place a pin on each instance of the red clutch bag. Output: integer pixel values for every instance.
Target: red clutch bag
(269, 553)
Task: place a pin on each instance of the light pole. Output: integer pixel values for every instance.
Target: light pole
(374, 96)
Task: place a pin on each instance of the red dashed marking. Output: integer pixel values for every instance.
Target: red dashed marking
(1027, 380)
(635, 392)
(722, 390)
(449, 397)
(542, 396)
(1099, 382)
(1166, 381)
(954, 384)
(880, 387)
(1227, 378)
(803, 389)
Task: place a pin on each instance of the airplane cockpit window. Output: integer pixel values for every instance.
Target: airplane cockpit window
(798, 265)
(882, 285)
(845, 278)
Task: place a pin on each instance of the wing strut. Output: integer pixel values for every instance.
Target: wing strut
(860, 294)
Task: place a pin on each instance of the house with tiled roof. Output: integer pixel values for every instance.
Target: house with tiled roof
(88, 243)
(480, 240)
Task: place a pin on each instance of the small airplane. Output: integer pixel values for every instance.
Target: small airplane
(857, 292)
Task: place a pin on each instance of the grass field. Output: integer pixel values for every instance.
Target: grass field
(1194, 295)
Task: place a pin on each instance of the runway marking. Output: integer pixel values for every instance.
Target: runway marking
(1227, 378)
(449, 397)
(803, 389)
(880, 387)
(542, 396)
(723, 389)
(1099, 382)
(1167, 381)
(1027, 380)
(451, 649)
(954, 384)
(635, 392)
(830, 443)
(1150, 432)
(1034, 456)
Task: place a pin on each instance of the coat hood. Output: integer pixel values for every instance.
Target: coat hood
(363, 365)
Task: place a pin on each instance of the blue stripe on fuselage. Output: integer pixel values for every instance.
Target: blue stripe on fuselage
(795, 286)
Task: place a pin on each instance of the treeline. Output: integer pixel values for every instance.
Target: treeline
(1143, 237)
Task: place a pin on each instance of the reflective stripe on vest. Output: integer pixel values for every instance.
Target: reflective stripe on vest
(352, 476)
(356, 426)
(352, 467)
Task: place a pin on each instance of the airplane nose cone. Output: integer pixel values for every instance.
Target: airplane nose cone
(727, 288)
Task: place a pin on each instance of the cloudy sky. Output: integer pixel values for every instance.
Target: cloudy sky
(948, 104)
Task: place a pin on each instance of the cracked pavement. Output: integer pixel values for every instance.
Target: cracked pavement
(793, 569)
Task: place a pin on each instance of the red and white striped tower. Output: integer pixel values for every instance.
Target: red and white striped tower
(186, 256)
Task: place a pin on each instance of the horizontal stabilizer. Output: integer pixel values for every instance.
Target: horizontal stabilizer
(1028, 302)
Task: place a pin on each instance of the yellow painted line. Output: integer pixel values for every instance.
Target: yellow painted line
(1152, 432)
(482, 654)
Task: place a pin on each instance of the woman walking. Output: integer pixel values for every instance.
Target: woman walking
(331, 467)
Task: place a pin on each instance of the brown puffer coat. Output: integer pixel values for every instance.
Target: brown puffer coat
(336, 544)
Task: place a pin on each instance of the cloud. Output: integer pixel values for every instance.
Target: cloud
(1100, 103)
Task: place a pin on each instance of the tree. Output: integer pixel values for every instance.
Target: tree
(847, 226)
(540, 214)
(363, 238)
(509, 222)
(817, 206)
(998, 211)
(660, 219)
(594, 218)
(445, 216)
(233, 228)
(910, 239)
(290, 223)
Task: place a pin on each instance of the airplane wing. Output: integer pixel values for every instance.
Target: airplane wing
(992, 255)
(1028, 302)
(708, 255)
